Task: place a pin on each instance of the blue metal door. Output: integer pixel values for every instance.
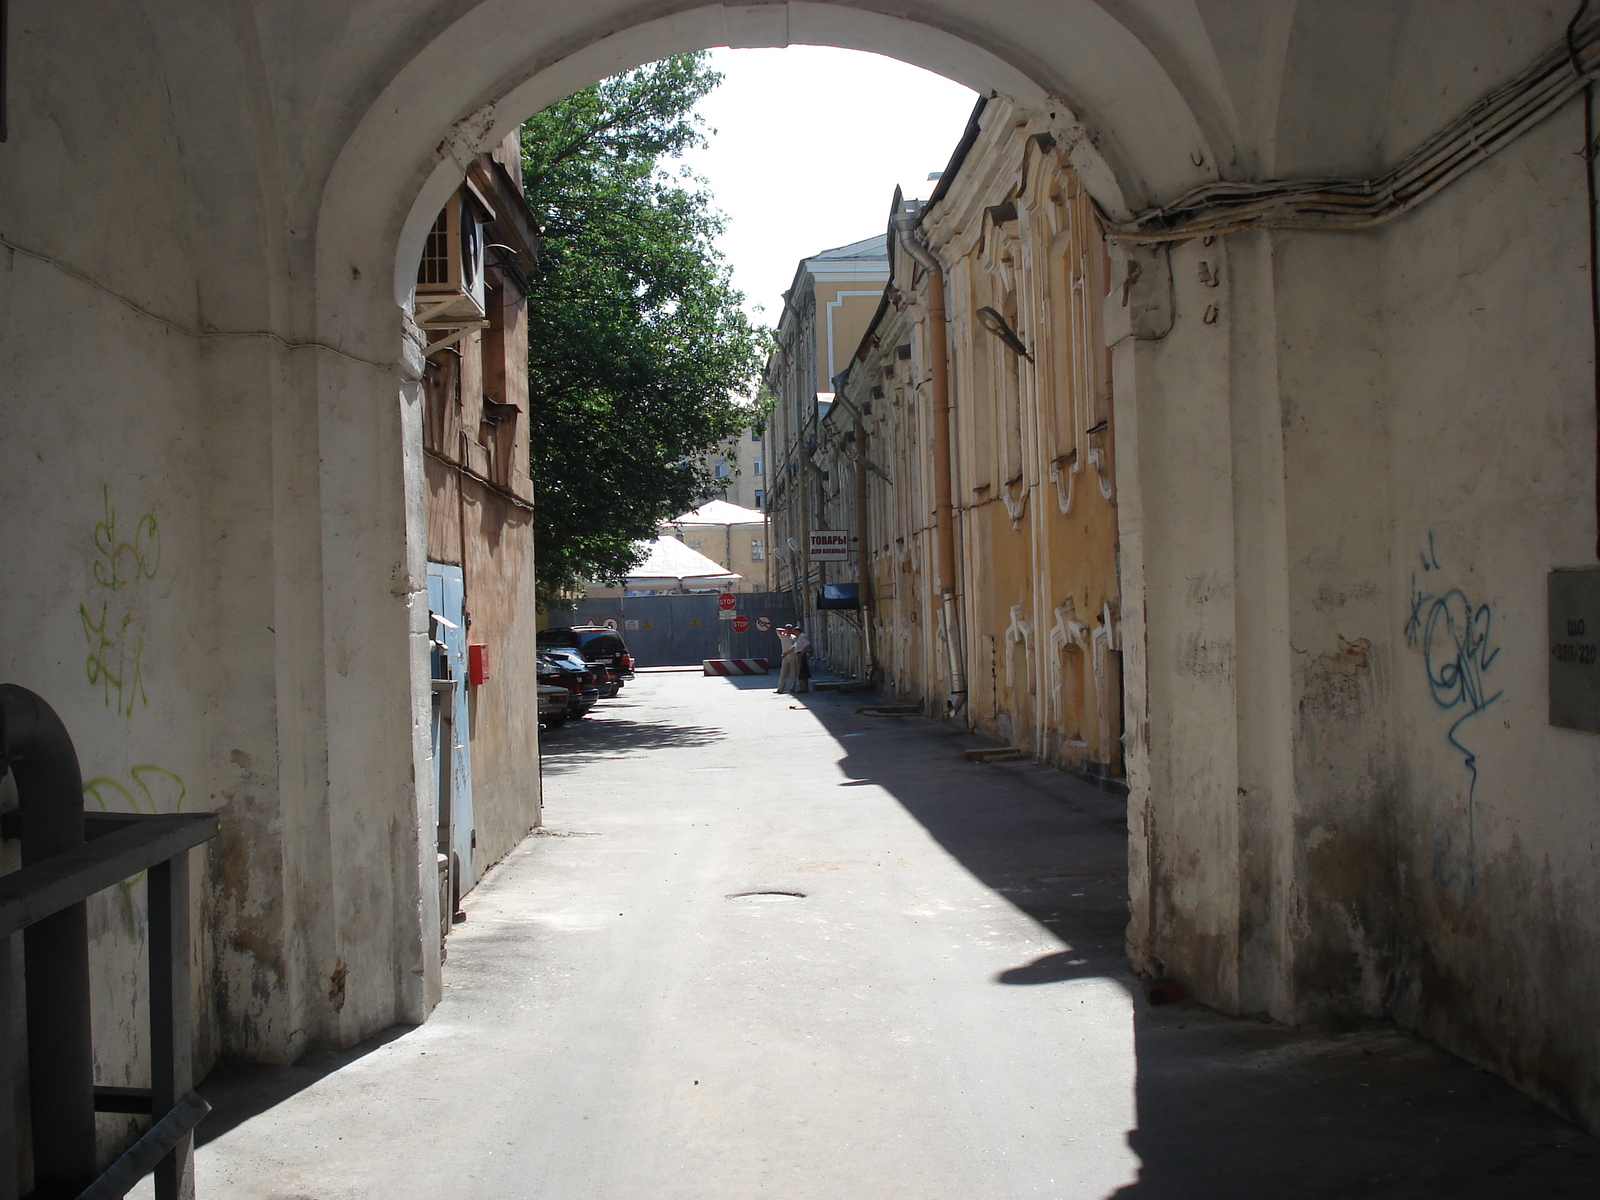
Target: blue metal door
(452, 754)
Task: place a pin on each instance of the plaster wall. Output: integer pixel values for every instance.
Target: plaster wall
(844, 309)
(503, 713)
(1489, 386)
(257, 179)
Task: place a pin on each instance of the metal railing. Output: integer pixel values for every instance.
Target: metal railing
(67, 856)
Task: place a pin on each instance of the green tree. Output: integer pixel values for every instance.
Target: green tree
(638, 347)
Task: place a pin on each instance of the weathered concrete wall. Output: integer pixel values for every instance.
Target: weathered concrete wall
(215, 215)
(1498, 911)
(1355, 805)
(106, 531)
(479, 517)
(165, 456)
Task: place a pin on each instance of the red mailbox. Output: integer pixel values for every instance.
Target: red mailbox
(477, 663)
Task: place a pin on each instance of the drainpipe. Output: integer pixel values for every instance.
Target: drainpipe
(943, 468)
(869, 652)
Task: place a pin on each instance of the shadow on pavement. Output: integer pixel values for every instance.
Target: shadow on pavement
(1228, 1108)
(608, 730)
(237, 1093)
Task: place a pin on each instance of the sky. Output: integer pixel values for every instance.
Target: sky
(809, 145)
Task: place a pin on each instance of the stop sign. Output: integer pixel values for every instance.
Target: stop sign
(740, 624)
(727, 602)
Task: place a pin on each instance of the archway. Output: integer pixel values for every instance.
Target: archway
(408, 152)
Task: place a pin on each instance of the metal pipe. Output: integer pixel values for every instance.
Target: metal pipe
(1491, 124)
(36, 748)
(1594, 242)
(869, 654)
(943, 469)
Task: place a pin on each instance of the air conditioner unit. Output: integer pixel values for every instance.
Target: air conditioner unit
(450, 276)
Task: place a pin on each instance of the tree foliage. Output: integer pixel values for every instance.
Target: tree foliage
(638, 347)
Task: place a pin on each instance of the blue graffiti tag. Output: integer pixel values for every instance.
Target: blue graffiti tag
(1454, 636)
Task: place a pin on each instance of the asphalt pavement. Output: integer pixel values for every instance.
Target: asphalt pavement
(770, 946)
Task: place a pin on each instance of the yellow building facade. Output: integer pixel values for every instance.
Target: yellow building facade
(1011, 507)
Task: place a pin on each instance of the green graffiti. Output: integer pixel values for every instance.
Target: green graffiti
(153, 790)
(114, 623)
(150, 789)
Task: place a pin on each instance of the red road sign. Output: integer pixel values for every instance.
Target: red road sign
(727, 602)
(740, 624)
(763, 624)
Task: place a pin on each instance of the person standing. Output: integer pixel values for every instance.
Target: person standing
(788, 668)
(800, 651)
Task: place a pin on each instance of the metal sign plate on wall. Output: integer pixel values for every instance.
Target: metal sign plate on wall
(830, 545)
(1574, 607)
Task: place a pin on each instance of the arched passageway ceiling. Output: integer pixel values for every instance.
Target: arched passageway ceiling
(475, 79)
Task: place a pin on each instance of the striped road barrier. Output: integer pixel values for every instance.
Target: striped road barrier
(735, 666)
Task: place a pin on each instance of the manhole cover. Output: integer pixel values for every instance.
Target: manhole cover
(767, 896)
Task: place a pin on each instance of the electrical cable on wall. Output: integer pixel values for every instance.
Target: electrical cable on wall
(1589, 150)
(1565, 70)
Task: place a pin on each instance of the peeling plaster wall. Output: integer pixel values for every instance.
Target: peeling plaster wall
(1354, 805)
(107, 559)
(1294, 444)
(1493, 465)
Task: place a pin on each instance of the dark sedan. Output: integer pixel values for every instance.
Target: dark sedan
(566, 670)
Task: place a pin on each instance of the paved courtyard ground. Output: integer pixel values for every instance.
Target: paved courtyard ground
(940, 1011)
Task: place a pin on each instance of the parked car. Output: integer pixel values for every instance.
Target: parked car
(596, 643)
(600, 673)
(554, 703)
(606, 676)
(565, 669)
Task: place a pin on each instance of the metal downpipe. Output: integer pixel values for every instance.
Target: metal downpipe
(943, 472)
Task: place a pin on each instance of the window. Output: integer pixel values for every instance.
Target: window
(693, 543)
(720, 469)
(755, 466)
(435, 264)
(761, 498)
(758, 549)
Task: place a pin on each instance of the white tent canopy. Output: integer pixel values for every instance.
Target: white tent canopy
(672, 564)
(719, 513)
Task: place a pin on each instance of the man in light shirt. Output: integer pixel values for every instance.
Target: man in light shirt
(798, 646)
(785, 636)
